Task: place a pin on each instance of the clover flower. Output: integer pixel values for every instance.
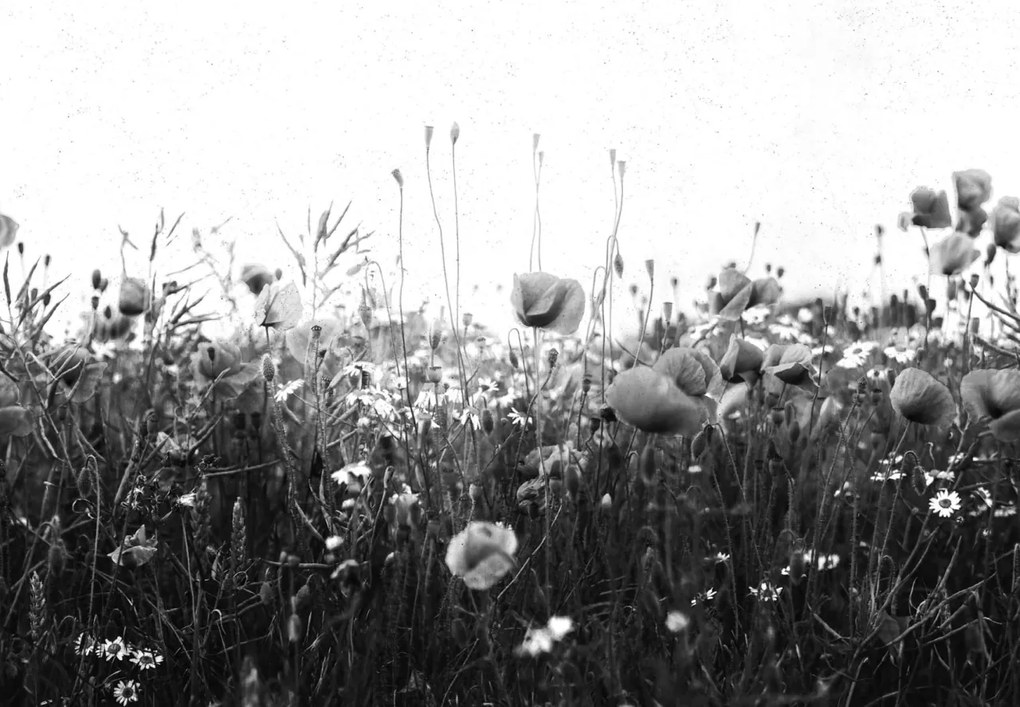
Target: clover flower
(945, 503)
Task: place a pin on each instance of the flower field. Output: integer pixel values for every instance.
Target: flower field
(297, 498)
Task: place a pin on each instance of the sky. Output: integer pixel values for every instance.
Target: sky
(815, 119)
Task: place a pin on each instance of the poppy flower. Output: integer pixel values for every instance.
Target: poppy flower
(973, 188)
(111, 325)
(256, 277)
(953, 254)
(548, 302)
(135, 550)
(788, 364)
(993, 396)
(481, 554)
(734, 295)
(652, 402)
(1006, 224)
(920, 398)
(8, 231)
(135, 296)
(765, 290)
(931, 208)
(219, 363)
(741, 362)
(278, 306)
(300, 337)
(15, 421)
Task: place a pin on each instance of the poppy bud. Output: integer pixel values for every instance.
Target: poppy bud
(917, 478)
(454, 133)
(700, 443)
(21, 248)
(990, 254)
(923, 291)
(266, 593)
(268, 368)
(794, 431)
(134, 296)
(300, 601)
(607, 413)
(650, 267)
(466, 319)
(97, 278)
(647, 463)
(398, 177)
(620, 165)
(618, 264)
(513, 359)
(572, 481)
(95, 303)
(607, 502)
(552, 357)
(594, 423)
(428, 136)
(612, 153)
(974, 280)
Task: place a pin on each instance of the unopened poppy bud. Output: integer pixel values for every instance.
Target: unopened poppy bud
(268, 368)
(618, 264)
(586, 383)
(612, 156)
(974, 280)
(21, 247)
(454, 133)
(398, 177)
(650, 267)
(622, 166)
(97, 278)
(647, 463)
(435, 338)
(607, 413)
(923, 291)
(699, 444)
(918, 479)
(513, 359)
(266, 594)
(466, 319)
(780, 271)
(711, 282)
(667, 311)
(300, 601)
(607, 502)
(95, 303)
(278, 273)
(534, 141)
(990, 254)
(793, 429)
(552, 356)
(594, 423)
(428, 136)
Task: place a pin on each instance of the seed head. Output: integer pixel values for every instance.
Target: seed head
(268, 368)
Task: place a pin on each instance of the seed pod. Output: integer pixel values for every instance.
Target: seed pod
(268, 368)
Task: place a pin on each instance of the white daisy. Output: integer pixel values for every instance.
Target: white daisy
(702, 597)
(84, 644)
(146, 660)
(126, 692)
(766, 591)
(945, 503)
(677, 621)
(115, 649)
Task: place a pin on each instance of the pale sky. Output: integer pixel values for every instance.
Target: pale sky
(816, 119)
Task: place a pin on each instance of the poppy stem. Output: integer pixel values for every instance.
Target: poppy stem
(536, 363)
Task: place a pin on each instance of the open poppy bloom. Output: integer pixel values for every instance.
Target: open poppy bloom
(481, 554)
(8, 231)
(257, 278)
(669, 398)
(219, 362)
(953, 254)
(548, 302)
(920, 398)
(788, 364)
(278, 306)
(741, 362)
(993, 396)
(931, 208)
(1006, 224)
(973, 188)
(734, 295)
(299, 339)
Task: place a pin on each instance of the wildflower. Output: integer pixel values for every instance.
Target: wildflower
(285, 391)
(541, 640)
(548, 302)
(856, 355)
(135, 551)
(742, 361)
(649, 401)
(518, 419)
(900, 355)
(920, 398)
(8, 231)
(973, 188)
(677, 621)
(333, 542)
(734, 295)
(481, 554)
(84, 644)
(126, 692)
(881, 477)
(931, 208)
(350, 473)
(187, 500)
(1006, 511)
(1006, 224)
(135, 296)
(720, 557)
(822, 561)
(702, 597)
(219, 363)
(788, 364)
(145, 659)
(953, 254)
(278, 306)
(257, 278)
(560, 626)
(113, 649)
(945, 503)
(766, 591)
(993, 396)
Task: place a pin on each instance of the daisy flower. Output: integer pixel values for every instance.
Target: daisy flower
(84, 644)
(146, 660)
(945, 503)
(126, 692)
(677, 621)
(115, 649)
(518, 419)
(702, 597)
(766, 592)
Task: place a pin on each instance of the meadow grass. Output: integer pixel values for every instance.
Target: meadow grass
(755, 503)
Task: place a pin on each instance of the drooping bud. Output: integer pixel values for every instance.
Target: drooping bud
(618, 264)
(454, 133)
(398, 177)
(97, 278)
(428, 137)
(650, 267)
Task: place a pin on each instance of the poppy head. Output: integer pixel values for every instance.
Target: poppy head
(953, 254)
(734, 295)
(8, 231)
(481, 554)
(652, 402)
(993, 396)
(135, 296)
(548, 302)
(788, 364)
(692, 371)
(214, 358)
(920, 398)
(765, 290)
(973, 188)
(257, 277)
(742, 361)
(1006, 224)
(931, 208)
